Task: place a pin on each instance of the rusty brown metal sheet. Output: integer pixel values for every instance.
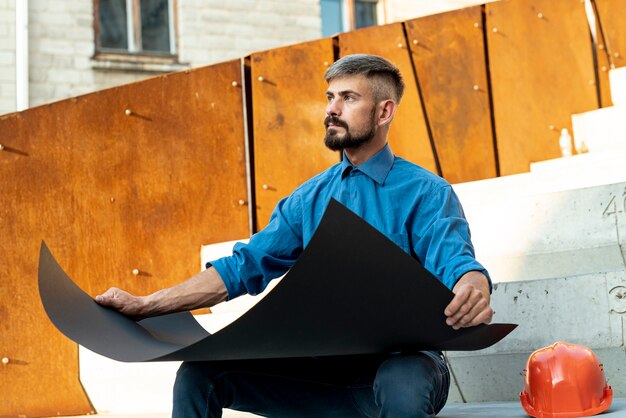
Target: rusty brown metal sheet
(610, 15)
(542, 72)
(603, 64)
(131, 178)
(408, 135)
(288, 101)
(449, 55)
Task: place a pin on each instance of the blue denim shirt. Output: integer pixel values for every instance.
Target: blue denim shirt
(414, 208)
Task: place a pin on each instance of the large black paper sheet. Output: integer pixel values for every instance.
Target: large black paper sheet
(352, 291)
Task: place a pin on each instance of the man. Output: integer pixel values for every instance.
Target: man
(414, 208)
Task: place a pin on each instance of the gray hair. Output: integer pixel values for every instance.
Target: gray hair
(385, 78)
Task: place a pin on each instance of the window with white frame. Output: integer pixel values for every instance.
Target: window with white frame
(135, 27)
(345, 15)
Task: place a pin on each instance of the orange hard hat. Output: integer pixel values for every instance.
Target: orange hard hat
(564, 380)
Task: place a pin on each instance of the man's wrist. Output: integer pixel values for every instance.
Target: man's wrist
(477, 279)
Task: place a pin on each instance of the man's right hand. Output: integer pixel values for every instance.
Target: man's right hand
(124, 302)
(205, 289)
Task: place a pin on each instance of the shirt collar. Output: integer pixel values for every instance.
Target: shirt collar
(377, 167)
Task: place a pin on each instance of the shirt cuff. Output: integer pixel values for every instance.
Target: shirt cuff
(472, 266)
(233, 285)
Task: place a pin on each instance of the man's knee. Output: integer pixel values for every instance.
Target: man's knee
(196, 393)
(411, 386)
(197, 379)
(191, 375)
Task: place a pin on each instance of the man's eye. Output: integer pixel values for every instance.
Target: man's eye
(349, 98)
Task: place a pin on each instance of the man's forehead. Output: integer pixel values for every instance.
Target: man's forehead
(356, 83)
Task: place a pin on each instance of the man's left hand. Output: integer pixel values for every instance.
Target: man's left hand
(470, 305)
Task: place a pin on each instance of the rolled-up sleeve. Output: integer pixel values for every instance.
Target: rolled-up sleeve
(268, 254)
(442, 239)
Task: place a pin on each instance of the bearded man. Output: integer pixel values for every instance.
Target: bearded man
(414, 208)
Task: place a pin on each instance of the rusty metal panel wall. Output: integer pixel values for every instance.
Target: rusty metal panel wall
(542, 72)
(288, 104)
(449, 55)
(134, 177)
(408, 136)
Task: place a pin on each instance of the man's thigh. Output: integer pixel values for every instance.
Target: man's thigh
(307, 387)
(310, 387)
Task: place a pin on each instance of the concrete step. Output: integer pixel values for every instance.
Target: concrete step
(520, 234)
(617, 80)
(602, 129)
(584, 170)
(511, 410)
(228, 413)
(451, 410)
(556, 175)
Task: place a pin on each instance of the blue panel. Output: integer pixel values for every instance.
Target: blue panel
(332, 17)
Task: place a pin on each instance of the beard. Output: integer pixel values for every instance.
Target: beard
(336, 142)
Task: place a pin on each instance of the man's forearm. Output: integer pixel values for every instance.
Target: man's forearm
(205, 289)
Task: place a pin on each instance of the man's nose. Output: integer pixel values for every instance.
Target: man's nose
(333, 108)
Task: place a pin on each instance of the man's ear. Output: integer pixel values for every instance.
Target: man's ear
(386, 110)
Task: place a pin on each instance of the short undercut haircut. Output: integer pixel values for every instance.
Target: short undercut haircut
(385, 78)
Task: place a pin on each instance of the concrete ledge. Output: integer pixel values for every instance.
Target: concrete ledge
(521, 235)
(602, 129)
(599, 167)
(617, 80)
(583, 171)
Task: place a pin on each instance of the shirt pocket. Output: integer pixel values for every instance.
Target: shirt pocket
(401, 240)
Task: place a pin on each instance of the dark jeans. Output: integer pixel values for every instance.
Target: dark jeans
(389, 386)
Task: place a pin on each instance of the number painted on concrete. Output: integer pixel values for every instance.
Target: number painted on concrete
(619, 299)
(615, 205)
